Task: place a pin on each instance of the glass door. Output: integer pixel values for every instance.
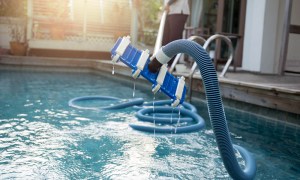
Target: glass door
(231, 23)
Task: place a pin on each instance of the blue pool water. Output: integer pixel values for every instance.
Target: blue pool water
(42, 137)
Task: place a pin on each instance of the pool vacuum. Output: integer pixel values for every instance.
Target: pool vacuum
(154, 70)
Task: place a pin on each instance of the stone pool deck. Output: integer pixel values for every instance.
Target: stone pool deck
(278, 96)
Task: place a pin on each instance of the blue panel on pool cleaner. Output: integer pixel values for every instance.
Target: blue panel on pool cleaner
(131, 56)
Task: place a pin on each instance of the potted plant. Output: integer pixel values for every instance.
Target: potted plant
(15, 14)
(18, 46)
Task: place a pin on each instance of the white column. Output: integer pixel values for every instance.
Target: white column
(263, 30)
(30, 19)
(84, 30)
(134, 25)
(253, 35)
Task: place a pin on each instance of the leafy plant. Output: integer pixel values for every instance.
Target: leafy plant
(148, 13)
(14, 12)
(17, 32)
(149, 18)
(12, 8)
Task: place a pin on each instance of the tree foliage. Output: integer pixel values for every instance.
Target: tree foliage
(12, 8)
(148, 12)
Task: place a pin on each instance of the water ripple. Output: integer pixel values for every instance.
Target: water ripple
(42, 138)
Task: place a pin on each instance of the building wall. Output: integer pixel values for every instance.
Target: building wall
(86, 23)
(4, 36)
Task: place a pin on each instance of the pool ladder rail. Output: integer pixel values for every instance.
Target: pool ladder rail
(138, 61)
(205, 46)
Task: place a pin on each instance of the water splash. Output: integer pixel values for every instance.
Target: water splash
(178, 121)
(153, 112)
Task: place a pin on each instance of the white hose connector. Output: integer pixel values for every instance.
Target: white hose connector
(156, 88)
(179, 91)
(141, 63)
(161, 57)
(136, 74)
(115, 58)
(121, 48)
(160, 78)
(175, 103)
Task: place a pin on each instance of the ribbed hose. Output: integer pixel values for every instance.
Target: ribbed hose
(119, 103)
(215, 108)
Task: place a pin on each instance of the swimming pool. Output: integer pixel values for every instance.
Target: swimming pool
(42, 137)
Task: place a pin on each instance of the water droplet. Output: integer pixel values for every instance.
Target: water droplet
(113, 69)
(133, 93)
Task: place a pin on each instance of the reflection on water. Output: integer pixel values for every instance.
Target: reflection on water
(29, 148)
(42, 138)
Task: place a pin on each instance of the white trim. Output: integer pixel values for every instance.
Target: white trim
(179, 89)
(162, 57)
(143, 59)
(161, 75)
(71, 45)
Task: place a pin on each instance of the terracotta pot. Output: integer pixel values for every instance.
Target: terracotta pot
(17, 48)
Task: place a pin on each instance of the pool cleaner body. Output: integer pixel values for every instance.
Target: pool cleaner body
(140, 63)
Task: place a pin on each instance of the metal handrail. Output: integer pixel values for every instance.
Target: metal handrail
(192, 38)
(158, 45)
(208, 41)
(177, 57)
